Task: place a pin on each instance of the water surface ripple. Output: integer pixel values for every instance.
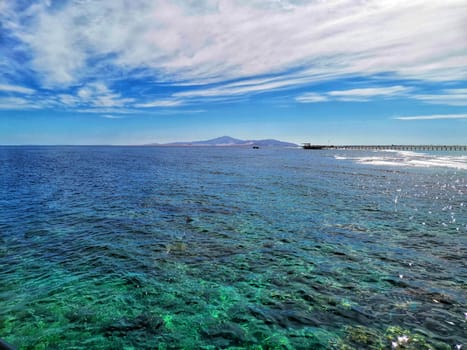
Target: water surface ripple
(212, 248)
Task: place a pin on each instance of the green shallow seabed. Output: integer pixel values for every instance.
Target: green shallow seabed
(264, 251)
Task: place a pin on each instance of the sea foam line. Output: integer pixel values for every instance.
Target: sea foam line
(408, 158)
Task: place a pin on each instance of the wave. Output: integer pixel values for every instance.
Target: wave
(408, 158)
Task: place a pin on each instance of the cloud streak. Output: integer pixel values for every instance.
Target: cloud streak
(354, 95)
(13, 103)
(448, 97)
(451, 97)
(110, 116)
(370, 92)
(16, 89)
(94, 95)
(312, 97)
(434, 117)
(160, 103)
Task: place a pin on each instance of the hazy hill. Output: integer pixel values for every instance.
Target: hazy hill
(227, 141)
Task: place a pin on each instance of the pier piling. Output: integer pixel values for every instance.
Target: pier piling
(446, 148)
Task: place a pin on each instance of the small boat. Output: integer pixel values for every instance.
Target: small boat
(255, 147)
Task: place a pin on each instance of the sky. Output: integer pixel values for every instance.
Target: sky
(144, 71)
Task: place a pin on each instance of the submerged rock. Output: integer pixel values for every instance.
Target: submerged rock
(144, 322)
(284, 318)
(360, 337)
(225, 334)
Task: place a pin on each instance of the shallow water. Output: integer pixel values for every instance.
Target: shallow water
(206, 248)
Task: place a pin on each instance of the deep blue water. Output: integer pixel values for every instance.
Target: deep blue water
(207, 248)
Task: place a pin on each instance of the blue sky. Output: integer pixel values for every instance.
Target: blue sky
(143, 71)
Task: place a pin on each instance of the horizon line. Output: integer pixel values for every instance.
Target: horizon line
(187, 144)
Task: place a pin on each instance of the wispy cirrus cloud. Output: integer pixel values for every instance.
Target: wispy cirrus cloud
(94, 95)
(370, 92)
(433, 117)
(225, 91)
(106, 111)
(360, 95)
(160, 103)
(111, 116)
(451, 97)
(220, 40)
(97, 94)
(16, 89)
(311, 97)
(16, 103)
(243, 87)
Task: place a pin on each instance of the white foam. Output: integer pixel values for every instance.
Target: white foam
(412, 159)
(410, 153)
(380, 162)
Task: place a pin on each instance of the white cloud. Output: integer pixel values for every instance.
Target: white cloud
(16, 88)
(217, 40)
(241, 88)
(354, 95)
(434, 117)
(84, 93)
(159, 103)
(68, 100)
(17, 103)
(370, 92)
(111, 116)
(311, 97)
(451, 97)
(94, 95)
(106, 110)
(179, 112)
(456, 91)
(97, 94)
(248, 86)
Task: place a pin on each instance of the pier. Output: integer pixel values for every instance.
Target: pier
(445, 148)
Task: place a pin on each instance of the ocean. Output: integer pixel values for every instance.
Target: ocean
(217, 248)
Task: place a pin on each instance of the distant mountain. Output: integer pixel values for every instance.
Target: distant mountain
(219, 141)
(227, 141)
(272, 143)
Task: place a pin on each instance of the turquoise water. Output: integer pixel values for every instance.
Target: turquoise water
(208, 248)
